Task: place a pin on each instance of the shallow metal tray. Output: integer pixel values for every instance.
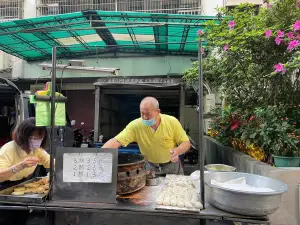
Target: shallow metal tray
(7, 197)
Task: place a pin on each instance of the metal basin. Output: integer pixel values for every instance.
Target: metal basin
(219, 168)
(242, 202)
(131, 173)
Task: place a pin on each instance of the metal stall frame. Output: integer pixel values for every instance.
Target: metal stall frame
(200, 114)
(35, 51)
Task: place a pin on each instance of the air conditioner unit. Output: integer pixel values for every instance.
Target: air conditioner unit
(209, 102)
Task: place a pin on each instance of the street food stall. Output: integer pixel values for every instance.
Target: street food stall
(100, 186)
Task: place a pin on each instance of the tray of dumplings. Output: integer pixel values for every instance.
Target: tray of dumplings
(178, 194)
(32, 191)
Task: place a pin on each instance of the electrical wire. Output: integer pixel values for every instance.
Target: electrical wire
(61, 77)
(36, 81)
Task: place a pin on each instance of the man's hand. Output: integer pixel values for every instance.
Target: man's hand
(174, 156)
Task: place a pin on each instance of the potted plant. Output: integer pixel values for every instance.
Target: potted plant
(275, 133)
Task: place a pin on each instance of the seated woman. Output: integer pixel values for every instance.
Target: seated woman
(19, 159)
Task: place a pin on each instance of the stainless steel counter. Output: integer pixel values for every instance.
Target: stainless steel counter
(139, 204)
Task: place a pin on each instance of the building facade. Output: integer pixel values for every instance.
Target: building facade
(18, 9)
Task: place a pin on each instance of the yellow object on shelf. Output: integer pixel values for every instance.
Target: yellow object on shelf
(43, 109)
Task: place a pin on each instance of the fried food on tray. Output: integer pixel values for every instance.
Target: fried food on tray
(44, 180)
(31, 185)
(39, 190)
(18, 193)
(29, 190)
(36, 187)
(18, 189)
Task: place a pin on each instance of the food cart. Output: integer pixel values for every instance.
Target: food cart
(94, 201)
(86, 202)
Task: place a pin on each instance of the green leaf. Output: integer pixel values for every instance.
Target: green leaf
(248, 143)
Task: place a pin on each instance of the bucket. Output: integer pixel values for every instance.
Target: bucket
(219, 168)
(281, 161)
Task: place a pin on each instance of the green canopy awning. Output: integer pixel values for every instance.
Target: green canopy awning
(95, 32)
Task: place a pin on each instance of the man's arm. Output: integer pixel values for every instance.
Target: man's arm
(182, 141)
(124, 138)
(181, 149)
(112, 143)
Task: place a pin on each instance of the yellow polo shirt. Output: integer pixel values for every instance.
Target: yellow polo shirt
(154, 145)
(11, 154)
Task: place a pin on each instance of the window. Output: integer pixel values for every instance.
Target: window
(11, 10)
(50, 7)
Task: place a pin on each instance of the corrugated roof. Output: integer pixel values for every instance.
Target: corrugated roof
(95, 32)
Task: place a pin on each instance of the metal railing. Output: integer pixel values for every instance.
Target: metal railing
(52, 7)
(11, 10)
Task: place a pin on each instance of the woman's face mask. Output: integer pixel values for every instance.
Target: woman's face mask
(35, 143)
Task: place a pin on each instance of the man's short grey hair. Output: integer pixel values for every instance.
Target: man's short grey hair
(151, 100)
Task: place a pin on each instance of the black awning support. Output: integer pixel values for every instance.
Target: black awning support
(104, 34)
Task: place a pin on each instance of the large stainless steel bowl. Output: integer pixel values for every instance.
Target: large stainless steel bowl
(242, 202)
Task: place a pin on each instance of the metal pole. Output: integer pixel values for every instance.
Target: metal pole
(128, 45)
(52, 149)
(97, 114)
(201, 130)
(34, 30)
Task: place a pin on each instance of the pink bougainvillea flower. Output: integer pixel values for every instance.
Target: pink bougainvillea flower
(280, 33)
(293, 44)
(231, 24)
(290, 35)
(202, 51)
(268, 33)
(226, 47)
(298, 36)
(277, 41)
(296, 26)
(252, 118)
(200, 32)
(279, 68)
(268, 5)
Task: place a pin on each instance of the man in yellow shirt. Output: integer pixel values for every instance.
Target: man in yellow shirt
(160, 137)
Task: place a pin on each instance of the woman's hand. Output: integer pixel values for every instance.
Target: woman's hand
(29, 162)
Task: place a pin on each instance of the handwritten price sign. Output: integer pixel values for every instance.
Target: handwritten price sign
(87, 167)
